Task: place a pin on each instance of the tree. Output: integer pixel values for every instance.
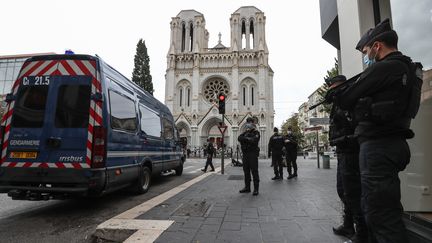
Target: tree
(322, 91)
(141, 73)
(294, 124)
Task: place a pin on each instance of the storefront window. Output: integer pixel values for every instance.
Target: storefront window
(413, 23)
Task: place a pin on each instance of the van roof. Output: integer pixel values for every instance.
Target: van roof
(62, 56)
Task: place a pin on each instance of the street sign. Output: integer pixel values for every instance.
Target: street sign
(319, 121)
(222, 129)
(317, 128)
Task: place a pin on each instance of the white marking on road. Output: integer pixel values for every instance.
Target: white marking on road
(188, 167)
(127, 221)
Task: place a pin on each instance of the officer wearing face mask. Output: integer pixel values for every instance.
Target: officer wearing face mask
(384, 100)
(249, 145)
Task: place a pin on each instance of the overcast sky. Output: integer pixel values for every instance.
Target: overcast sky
(111, 29)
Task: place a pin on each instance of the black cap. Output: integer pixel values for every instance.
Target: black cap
(338, 78)
(363, 40)
(381, 30)
(275, 129)
(249, 119)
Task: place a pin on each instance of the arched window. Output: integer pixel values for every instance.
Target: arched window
(251, 32)
(244, 95)
(188, 96)
(243, 34)
(191, 37)
(183, 40)
(252, 95)
(181, 96)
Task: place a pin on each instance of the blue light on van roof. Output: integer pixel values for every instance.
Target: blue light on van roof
(69, 52)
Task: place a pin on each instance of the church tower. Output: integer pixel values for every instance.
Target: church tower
(196, 74)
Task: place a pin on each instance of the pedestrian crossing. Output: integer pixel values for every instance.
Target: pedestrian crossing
(195, 165)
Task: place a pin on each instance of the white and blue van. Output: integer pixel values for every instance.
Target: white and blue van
(73, 125)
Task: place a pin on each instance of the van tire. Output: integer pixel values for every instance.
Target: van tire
(142, 184)
(179, 169)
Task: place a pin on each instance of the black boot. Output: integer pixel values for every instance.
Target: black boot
(275, 178)
(346, 228)
(361, 232)
(246, 189)
(256, 187)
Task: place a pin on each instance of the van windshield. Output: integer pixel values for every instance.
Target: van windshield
(30, 106)
(72, 110)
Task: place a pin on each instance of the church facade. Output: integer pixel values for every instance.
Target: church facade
(197, 74)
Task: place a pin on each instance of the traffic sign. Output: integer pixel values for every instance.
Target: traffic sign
(319, 121)
(222, 129)
(317, 128)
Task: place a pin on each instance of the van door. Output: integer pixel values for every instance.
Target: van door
(170, 145)
(69, 119)
(50, 122)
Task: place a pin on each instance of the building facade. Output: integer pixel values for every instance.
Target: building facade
(197, 74)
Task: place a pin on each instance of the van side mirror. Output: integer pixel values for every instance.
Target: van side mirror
(10, 97)
(97, 97)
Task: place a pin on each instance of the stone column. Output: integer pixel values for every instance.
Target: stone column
(187, 38)
(263, 141)
(194, 136)
(247, 35)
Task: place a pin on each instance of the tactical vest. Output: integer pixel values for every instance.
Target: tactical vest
(341, 127)
(396, 105)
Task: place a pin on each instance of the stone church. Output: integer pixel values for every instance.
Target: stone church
(197, 73)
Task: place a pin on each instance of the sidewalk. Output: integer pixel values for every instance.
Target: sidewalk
(212, 210)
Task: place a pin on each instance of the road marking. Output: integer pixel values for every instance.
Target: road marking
(147, 231)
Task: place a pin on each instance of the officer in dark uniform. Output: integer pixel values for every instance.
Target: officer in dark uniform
(385, 98)
(276, 143)
(291, 147)
(249, 146)
(341, 135)
(210, 151)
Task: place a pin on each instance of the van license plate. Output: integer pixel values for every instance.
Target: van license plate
(23, 155)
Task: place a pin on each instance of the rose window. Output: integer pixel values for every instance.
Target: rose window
(213, 88)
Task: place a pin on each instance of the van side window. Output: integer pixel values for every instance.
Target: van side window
(30, 106)
(123, 114)
(73, 103)
(168, 129)
(150, 122)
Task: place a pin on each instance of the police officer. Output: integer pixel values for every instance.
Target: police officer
(291, 153)
(385, 98)
(341, 135)
(276, 143)
(249, 146)
(210, 152)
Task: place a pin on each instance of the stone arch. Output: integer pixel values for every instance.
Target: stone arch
(184, 131)
(209, 130)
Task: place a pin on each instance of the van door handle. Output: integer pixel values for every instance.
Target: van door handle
(53, 142)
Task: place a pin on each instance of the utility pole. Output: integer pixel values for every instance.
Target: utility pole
(317, 149)
(223, 147)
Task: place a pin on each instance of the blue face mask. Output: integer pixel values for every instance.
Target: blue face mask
(368, 62)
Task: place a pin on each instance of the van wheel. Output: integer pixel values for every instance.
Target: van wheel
(143, 182)
(179, 169)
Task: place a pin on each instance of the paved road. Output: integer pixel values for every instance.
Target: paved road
(75, 220)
